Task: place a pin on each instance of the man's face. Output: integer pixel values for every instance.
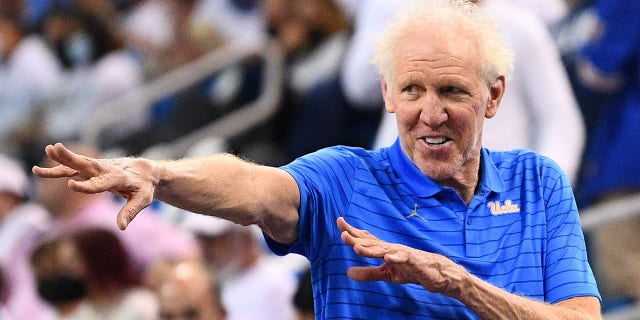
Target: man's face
(440, 100)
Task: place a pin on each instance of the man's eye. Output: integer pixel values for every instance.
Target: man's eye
(452, 90)
(411, 89)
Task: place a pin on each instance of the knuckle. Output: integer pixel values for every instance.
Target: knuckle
(131, 213)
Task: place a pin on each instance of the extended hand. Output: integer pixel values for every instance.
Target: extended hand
(402, 264)
(129, 177)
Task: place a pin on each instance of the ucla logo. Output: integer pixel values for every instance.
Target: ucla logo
(507, 207)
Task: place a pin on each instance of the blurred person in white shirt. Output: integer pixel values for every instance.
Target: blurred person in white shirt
(30, 73)
(255, 284)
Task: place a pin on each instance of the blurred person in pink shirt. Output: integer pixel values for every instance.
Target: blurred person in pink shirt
(22, 222)
(88, 275)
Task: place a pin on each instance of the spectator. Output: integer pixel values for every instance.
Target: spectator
(255, 285)
(187, 290)
(99, 67)
(167, 35)
(22, 223)
(29, 77)
(196, 28)
(59, 276)
(359, 80)
(314, 36)
(114, 288)
(609, 65)
(523, 115)
(240, 23)
(88, 276)
(303, 299)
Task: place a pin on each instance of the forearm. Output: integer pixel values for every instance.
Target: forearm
(231, 188)
(437, 273)
(207, 185)
(491, 302)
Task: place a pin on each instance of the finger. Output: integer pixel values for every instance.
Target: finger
(350, 240)
(60, 154)
(59, 171)
(372, 250)
(343, 225)
(397, 257)
(92, 185)
(134, 205)
(365, 274)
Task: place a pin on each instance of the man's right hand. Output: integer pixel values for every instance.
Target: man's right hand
(132, 178)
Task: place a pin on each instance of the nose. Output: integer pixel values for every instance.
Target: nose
(433, 113)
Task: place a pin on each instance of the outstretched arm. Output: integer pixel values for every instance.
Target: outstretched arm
(219, 185)
(437, 273)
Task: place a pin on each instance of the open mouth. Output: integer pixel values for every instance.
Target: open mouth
(435, 141)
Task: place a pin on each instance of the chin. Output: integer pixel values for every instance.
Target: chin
(436, 170)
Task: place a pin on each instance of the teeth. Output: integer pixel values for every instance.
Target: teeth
(436, 140)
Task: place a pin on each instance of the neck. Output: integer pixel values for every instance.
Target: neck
(466, 182)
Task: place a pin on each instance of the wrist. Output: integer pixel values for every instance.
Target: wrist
(157, 172)
(464, 286)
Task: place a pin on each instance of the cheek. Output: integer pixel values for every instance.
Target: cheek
(406, 116)
(466, 122)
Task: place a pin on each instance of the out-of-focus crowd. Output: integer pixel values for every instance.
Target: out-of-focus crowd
(574, 96)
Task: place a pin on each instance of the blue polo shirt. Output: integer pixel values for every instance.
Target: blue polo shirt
(520, 232)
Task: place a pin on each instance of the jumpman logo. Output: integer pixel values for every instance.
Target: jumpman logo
(414, 213)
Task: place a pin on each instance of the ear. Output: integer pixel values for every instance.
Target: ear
(386, 95)
(496, 91)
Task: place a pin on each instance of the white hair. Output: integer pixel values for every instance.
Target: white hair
(443, 16)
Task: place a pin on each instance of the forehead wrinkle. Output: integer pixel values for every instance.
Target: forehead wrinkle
(421, 55)
(440, 70)
(440, 59)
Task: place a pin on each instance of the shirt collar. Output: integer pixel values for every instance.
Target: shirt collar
(416, 181)
(423, 186)
(490, 179)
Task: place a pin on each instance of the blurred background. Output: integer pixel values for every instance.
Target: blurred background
(271, 80)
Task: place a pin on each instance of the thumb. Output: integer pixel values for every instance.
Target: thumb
(365, 274)
(131, 209)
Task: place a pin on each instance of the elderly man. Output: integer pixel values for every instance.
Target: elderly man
(453, 230)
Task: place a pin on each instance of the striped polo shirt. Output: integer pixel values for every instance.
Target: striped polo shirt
(520, 232)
